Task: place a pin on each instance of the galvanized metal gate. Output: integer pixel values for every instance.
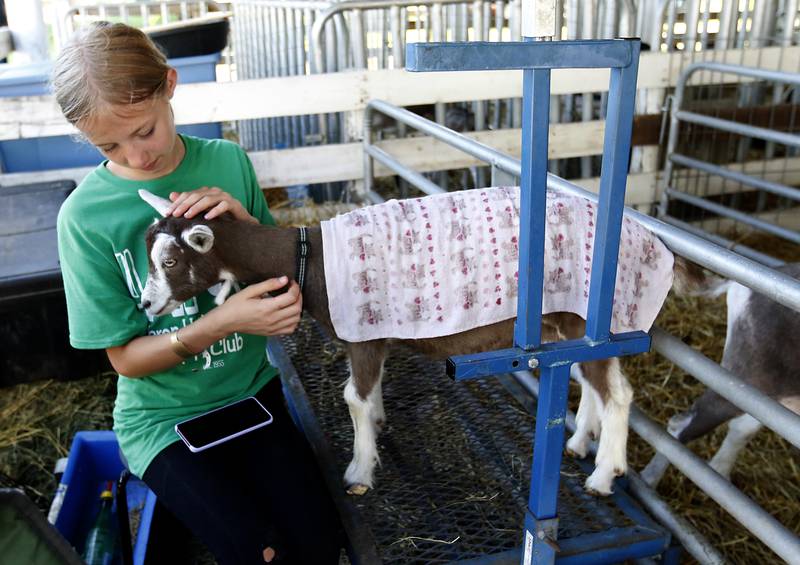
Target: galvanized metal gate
(300, 37)
(143, 13)
(709, 190)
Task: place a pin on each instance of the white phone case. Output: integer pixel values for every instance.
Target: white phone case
(195, 449)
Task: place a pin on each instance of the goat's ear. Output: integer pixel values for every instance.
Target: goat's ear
(199, 237)
(160, 204)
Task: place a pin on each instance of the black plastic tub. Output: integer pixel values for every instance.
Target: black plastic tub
(33, 311)
(191, 38)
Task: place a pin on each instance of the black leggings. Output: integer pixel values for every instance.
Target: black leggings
(262, 489)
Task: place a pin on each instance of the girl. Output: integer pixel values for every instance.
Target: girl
(248, 499)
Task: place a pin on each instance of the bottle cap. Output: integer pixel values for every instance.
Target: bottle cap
(107, 492)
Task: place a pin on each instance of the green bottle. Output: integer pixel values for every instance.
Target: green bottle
(101, 543)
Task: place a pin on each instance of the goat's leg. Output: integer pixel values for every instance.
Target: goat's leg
(707, 412)
(740, 430)
(607, 378)
(363, 395)
(378, 413)
(658, 465)
(587, 420)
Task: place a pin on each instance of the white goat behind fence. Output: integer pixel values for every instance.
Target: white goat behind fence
(761, 347)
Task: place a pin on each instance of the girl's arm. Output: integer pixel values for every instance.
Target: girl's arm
(245, 312)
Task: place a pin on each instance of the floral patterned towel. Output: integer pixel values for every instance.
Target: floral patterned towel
(443, 264)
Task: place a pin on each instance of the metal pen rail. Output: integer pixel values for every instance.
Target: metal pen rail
(397, 40)
(775, 285)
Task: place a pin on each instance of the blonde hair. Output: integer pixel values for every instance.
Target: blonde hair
(107, 64)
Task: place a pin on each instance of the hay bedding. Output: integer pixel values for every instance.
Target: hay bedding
(767, 470)
(40, 419)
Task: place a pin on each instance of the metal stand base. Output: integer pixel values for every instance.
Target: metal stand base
(455, 469)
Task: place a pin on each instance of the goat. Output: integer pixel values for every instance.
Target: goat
(201, 253)
(758, 351)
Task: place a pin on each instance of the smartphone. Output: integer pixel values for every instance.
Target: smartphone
(223, 424)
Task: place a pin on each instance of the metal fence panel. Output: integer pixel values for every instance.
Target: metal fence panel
(700, 184)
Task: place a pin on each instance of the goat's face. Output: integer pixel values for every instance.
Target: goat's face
(182, 263)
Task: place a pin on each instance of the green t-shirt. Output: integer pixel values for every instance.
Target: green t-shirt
(101, 245)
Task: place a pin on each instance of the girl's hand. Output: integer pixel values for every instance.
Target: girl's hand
(253, 311)
(212, 200)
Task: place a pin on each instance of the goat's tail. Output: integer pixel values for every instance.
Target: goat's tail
(690, 279)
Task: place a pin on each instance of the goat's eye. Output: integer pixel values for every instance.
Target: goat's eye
(169, 263)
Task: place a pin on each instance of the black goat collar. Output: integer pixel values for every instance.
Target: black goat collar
(303, 250)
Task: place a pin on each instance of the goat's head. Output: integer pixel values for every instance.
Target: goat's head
(181, 257)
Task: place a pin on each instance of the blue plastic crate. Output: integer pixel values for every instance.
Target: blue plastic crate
(63, 151)
(94, 459)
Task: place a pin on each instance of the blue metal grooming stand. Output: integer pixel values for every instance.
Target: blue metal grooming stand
(536, 59)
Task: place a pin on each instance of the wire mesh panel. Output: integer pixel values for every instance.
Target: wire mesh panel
(280, 38)
(733, 167)
(455, 462)
(277, 38)
(271, 39)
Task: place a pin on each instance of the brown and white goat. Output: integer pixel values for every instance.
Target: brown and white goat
(189, 256)
(758, 349)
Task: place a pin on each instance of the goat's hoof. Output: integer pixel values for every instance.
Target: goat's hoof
(575, 453)
(357, 489)
(620, 471)
(598, 486)
(576, 447)
(598, 493)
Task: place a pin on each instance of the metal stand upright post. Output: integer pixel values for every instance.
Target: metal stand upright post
(536, 59)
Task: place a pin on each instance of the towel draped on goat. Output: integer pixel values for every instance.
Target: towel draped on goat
(447, 263)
